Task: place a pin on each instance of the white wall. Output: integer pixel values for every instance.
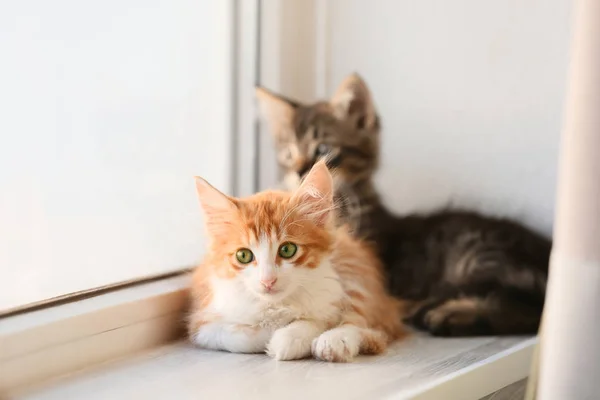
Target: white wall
(106, 112)
(288, 39)
(470, 93)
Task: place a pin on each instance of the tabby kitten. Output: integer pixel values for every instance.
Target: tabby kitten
(280, 277)
(466, 274)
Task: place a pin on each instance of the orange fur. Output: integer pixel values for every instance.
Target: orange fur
(351, 297)
(355, 262)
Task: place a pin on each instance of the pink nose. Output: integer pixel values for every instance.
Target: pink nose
(268, 283)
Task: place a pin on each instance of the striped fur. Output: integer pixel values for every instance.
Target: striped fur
(466, 274)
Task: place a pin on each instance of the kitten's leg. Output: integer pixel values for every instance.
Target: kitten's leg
(294, 341)
(454, 317)
(496, 314)
(345, 342)
(419, 310)
(230, 337)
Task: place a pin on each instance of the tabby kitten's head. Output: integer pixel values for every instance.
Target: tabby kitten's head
(344, 131)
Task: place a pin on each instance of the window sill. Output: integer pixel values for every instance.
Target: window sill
(423, 368)
(54, 354)
(44, 344)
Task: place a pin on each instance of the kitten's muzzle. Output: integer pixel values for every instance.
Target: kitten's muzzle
(268, 283)
(333, 161)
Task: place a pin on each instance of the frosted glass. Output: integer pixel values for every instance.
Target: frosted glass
(107, 110)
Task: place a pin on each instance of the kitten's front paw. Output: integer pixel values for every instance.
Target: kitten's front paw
(336, 345)
(288, 344)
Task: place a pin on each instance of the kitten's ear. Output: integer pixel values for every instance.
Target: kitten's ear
(315, 194)
(353, 100)
(277, 111)
(215, 204)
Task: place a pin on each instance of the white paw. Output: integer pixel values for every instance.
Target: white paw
(336, 345)
(289, 344)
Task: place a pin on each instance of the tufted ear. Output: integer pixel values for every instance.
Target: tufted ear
(315, 194)
(353, 100)
(217, 207)
(277, 111)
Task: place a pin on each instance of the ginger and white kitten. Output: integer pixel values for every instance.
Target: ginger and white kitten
(280, 278)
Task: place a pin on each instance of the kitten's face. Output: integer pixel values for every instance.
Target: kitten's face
(272, 243)
(344, 131)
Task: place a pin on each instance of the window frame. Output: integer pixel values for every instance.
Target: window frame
(97, 321)
(241, 130)
(93, 326)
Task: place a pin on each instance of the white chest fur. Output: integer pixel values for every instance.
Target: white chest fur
(319, 300)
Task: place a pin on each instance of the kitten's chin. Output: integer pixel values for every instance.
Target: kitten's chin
(272, 295)
(291, 181)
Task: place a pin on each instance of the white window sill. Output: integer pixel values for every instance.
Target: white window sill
(44, 344)
(69, 352)
(422, 368)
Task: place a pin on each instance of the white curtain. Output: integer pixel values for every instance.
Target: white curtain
(570, 347)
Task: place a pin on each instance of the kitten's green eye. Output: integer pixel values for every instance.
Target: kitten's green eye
(244, 256)
(287, 250)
